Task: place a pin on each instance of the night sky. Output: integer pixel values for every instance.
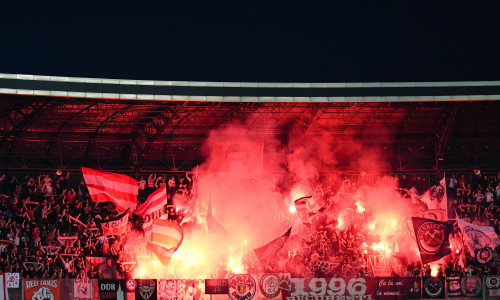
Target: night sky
(344, 41)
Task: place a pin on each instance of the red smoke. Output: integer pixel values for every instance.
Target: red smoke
(251, 190)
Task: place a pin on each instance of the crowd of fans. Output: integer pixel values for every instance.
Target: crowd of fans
(327, 249)
(48, 224)
(48, 227)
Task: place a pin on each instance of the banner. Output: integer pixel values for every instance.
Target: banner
(453, 286)
(336, 288)
(492, 284)
(433, 287)
(167, 289)
(398, 288)
(120, 189)
(190, 289)
(478, 237)
(2, 288)
(110, 289)
(271, 285)
(12, 280)
(471, 286)
(266, 253)
(216, 286)
(114, 226)
(242, 287)
(13, 290)
(41, 289)
(82, 289)
(105, 264)
(146, 289)
(432, 238)
(181, 289)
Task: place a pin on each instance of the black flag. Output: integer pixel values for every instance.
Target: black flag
(432, 238)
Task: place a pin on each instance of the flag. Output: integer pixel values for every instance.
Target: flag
(301, 208)
(432, 238)
(435, 197)
(163, 255)
(166, 237)
(120, 189)
(156, 201)
(114, 226)
(266, 253)
(478, 237)
(154, 208)
(434, 214)
(166, 233)
(212, 224)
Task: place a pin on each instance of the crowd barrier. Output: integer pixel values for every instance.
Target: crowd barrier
(250, 287)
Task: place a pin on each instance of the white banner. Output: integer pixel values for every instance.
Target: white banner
(478, 237)
(2, 295)
(12, 280)
(83, 289)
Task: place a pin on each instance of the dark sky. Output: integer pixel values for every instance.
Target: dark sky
(348, 41)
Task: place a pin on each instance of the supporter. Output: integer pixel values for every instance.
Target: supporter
(462, 181)
(160, 182)
(33, 219)
(142, 189)
(171, 187)
(497, 194)
(183, 187)
(151, 182)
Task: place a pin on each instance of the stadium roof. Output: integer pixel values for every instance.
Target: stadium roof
(136, 125)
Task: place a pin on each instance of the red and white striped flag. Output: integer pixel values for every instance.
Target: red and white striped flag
(154, 208)
(120, 189)
(167, 235)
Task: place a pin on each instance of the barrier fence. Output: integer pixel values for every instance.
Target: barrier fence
(250, 287)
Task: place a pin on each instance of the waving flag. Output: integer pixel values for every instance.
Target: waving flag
(120, 189)
(478, 237)
(114, 226)
(166, 237)
(163, 255)
(435, 197)
(267, 252)
(432, 238)
(154, 208)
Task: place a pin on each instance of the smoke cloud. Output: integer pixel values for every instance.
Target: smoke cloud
(251, 183)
